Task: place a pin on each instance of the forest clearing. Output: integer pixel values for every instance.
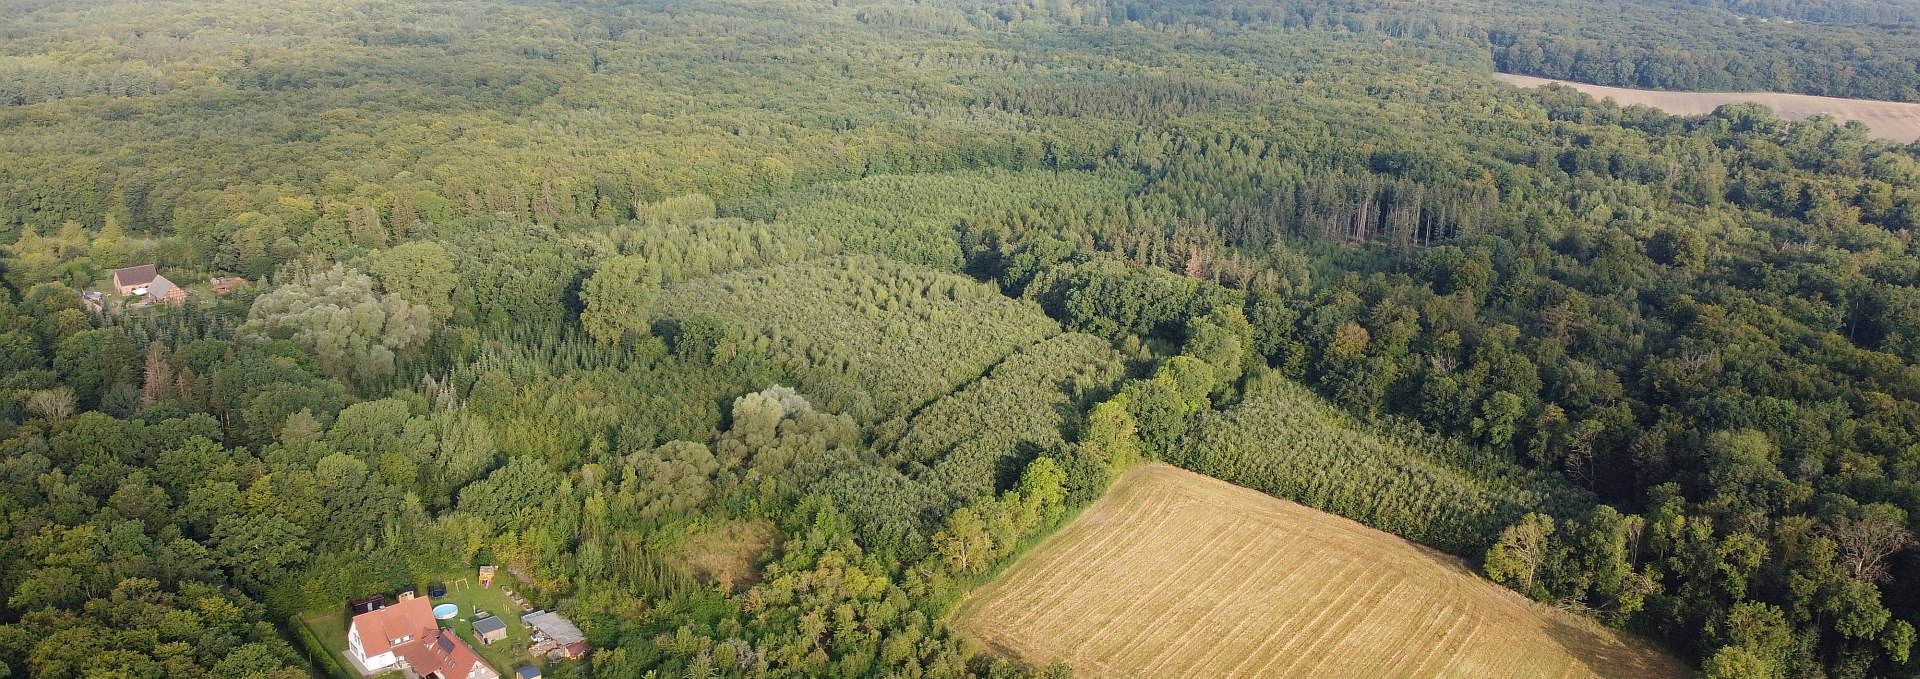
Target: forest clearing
(1891, 120)
(1178, 574)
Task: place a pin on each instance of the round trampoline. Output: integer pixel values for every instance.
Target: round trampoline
(445, 611)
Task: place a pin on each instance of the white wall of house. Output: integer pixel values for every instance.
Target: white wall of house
(360, 652)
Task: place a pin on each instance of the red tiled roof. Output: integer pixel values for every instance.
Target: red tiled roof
(379, 630)
(443, 652)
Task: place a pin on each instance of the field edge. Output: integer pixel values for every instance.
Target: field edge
(1609, 646)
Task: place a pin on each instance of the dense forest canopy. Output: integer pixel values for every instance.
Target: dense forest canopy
(1862, 50)
(753, 334)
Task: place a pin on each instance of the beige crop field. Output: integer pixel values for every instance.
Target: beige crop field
(1889, 120)
(1174, 574)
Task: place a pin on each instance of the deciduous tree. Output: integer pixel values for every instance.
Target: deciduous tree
(619, 299)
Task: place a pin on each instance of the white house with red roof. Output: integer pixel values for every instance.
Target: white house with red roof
(406, 634)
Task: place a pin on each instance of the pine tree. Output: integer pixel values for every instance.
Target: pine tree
(159, 379)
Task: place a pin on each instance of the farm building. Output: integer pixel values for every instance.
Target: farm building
(163, 291)
(125, 281)
(490, 629)
(552, 628)
(145, 282)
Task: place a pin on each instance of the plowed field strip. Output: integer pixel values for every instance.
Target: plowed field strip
(1890, 120)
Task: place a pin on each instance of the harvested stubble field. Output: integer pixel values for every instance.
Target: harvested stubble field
(1889, 120)
(1174, 574)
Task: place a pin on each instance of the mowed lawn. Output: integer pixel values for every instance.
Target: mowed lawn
(331, 626)
(1174, 574)
(502, 655)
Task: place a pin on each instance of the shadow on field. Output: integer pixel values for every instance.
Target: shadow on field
(1612, 654)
